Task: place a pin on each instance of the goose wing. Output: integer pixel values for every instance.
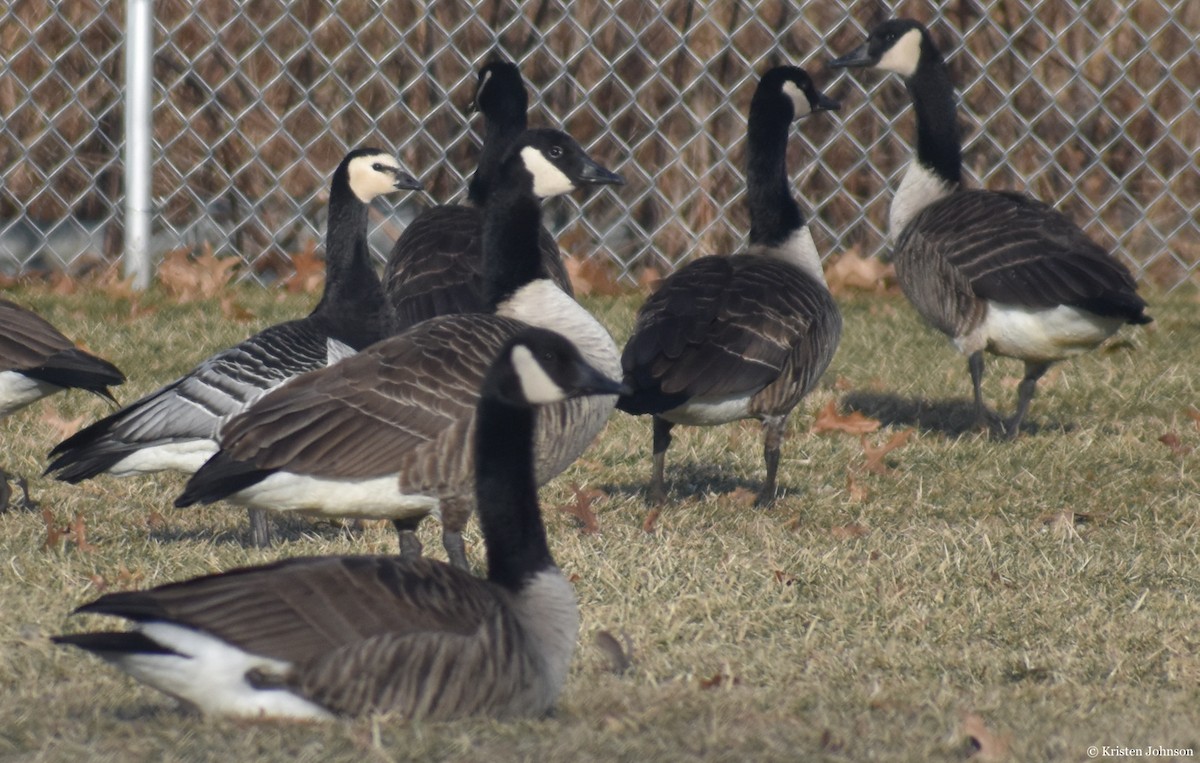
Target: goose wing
(436, 266)
(1015, 250)
(725, 326)
(31, 345)
(195, 405)
(367, 415)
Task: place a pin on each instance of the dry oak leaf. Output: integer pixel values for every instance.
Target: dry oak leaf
(829, 420)
(1194, 415)
(874, 455)
(234, 311)
(588, 276)
(853, 272)
(581, 508)
(649, 524)
(742, 496)
(856, 491)
(187, 279)
(718, 679)
(62, 426)
(987, 745)
(849, 532)
(308, 271)
(1172, 441)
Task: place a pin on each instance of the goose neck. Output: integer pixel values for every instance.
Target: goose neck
(353, 296)
(774, 214)
(939, 145)
(512, 222)
(500, 134)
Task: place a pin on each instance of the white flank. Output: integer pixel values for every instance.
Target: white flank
(18, 390)
(211, 675)
(367, 182)
(335, 351)
(1038, 335)
(547, 610)
(799, 99)
(186, 457)
(372, 498)
(705, 412)
(548, 180)
(536, 384)
(904, 55)
(540, 303)
(920, 187)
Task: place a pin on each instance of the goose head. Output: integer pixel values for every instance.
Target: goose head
(540, 367)
(550, 163)
(500, 92)
(370, 172)
(896, 45)
(790, 87)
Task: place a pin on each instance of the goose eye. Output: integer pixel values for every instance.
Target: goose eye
(548, 355)
(378, 167)
(555, 152)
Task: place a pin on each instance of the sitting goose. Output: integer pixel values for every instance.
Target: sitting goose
(748, 335)
(436, 266)
(993, 270)
(347, 635)
(385, 434)
(175, 427)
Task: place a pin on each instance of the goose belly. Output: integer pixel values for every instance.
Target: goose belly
(211, 674)
(18, 390)
(1038, 334)
(187, 457)
(706, 412)
(369, 498)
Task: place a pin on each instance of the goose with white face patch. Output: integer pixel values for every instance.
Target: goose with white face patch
(436, 266)
(386, 434)
(995, 271)
(319, 637)
(748, 335)
(175, 427)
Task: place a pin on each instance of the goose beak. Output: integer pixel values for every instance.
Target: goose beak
(860, 56)
(596, 383)
(594, 174)
(406, 182)
(825, 103)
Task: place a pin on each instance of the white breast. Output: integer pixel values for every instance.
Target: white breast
(542, 304)
(1038, 334)
(549, 613)
(919, 188)
(799, 249)
(18, 390)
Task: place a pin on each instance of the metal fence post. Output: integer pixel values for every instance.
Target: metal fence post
(139, 59)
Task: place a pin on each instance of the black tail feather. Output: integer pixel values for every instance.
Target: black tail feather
(114, 643)
(220, 477)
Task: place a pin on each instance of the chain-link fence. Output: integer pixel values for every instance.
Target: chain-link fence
(1092, 106)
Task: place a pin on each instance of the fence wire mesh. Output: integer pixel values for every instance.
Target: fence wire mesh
(1092, 107)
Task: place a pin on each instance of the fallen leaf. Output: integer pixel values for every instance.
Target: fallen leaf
(648, 525)
(829, 420)
(54, 534)
(589, 276)
(742, 496)
(718, 679)
(783, 578)
(874, 455)
(1172, 441)
(155, 520)
(188, 278)
(581, 508)
(857, 492)
(308, 271)
(63, 427)
(78, 535)
(986, 744)
(620, 656)
(126, 578)
(852, 272)
(849, 532)
(234, 311)
(649, 279)
(1194, 415)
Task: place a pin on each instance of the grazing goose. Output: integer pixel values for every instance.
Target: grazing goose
(993, 270)
(320, 636)
(743, 336)
(175, 427)
(436, 266)
(36, 360)
(385, 434)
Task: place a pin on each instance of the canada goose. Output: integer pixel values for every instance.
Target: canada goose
(993, 270)
(320, 636)
(175, 427)
(748, 335)
(436, 266)
(36, 360)
(385, 434)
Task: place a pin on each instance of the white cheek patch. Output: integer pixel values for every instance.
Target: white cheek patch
(903, 57)
(548, 180)
(536, 385)
(799, 99)
(367, 182)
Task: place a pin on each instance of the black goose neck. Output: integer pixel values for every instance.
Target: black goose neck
(774, 214)
(939, 145)
(506, 494)
(512, 222)
(503, 128)
(352, 302)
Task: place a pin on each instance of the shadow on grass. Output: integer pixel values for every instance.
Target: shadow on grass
(692, 481)
(283, 528)
(952, 418)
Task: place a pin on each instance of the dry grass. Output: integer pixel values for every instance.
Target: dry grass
(1045, 588)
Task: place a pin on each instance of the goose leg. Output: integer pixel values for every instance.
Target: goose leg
(662, 441)
(773, 429)
(1025, 390)
(410, 545)
(984, 419)
(260, 528)
(455, 513)
(5, 491)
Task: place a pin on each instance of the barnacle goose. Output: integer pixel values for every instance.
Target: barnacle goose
(347, 635)
(36, 360)
(436, 266)
(747, 335)
(175, 427)
(993, 270)
(386, 433)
